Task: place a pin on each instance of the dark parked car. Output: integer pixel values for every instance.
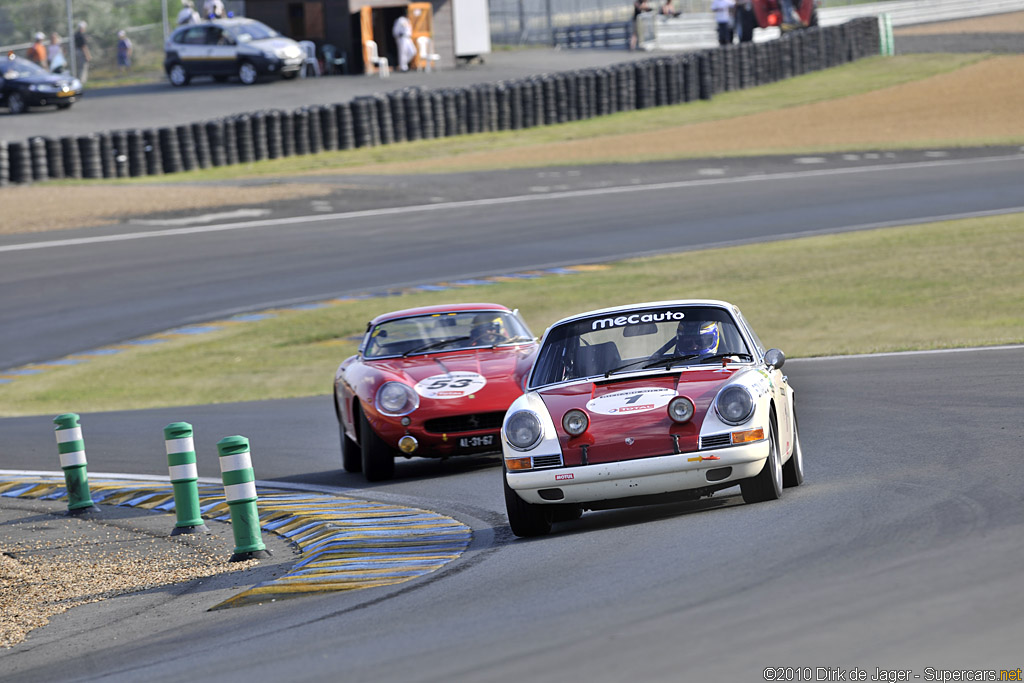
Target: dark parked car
(222, 48)
(25, 84)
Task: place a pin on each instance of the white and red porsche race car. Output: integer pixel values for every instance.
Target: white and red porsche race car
(648, 403)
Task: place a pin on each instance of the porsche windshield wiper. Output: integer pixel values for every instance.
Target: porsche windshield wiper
(720, 356)
(434, 345)
(667, 360)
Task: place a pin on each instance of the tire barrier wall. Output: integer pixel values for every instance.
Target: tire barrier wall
(416, 114)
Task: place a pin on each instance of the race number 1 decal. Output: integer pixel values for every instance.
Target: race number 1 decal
(451, 385)
(630, 401)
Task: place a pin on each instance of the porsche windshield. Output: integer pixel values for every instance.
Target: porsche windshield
(444, 332)
(642, 339)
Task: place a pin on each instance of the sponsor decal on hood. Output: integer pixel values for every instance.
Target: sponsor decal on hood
(631, 401)
(455, 384)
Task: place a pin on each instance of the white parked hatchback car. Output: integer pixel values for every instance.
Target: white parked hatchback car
(223, 48)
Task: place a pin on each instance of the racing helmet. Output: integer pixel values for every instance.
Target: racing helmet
(697, 337)
(487, 328)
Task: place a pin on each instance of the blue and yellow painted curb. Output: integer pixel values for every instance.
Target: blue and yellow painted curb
(344, 543)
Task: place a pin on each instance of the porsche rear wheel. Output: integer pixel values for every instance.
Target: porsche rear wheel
(793, 470)
(767, 485)
(377, 459)
(525, 519)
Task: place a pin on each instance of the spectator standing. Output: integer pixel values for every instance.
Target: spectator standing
(639, 8)
(124, 51)
(402, 31)
(668, 9)
(55, 54)
(724, 11)
(82, 54)
(37, 51)
(213, 9)
(188, 13)
(746, 20)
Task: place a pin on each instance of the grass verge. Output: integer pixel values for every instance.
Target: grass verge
(941, 285)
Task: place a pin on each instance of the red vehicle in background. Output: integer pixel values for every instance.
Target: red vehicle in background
(771, 13)
(430, 382)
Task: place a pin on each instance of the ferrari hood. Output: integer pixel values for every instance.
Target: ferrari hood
(448, 375)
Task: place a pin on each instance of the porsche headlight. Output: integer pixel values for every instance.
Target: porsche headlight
(523, 430)
(734, 404)
(575, 422)
(680, 409)
(396, 398)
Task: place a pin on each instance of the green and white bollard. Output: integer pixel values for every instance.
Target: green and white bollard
(71, 448)
(181, 465)
(240, 492)
(885, 31)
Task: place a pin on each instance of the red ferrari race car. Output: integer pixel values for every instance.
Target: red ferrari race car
(648, 403)
(432, 382)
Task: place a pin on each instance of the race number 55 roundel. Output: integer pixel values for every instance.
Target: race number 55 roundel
(451, 385)
(631, 401)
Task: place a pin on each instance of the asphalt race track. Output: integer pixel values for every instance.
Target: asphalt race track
(902, 551)
(66, 293)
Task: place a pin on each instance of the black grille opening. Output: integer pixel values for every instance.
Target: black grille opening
(716, 441)
(454, 424)
(547, 461)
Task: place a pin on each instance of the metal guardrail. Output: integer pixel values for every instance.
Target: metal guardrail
(695, 31)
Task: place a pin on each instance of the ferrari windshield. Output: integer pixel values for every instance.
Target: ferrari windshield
(641, 339)
(444, 332)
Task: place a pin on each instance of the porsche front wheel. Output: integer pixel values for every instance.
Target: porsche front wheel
(767, 485)
(377, 459)
(525, 519)
(793, 470)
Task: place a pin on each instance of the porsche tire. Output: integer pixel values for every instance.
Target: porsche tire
(793, 470)
(767, 485)
(16, 103)
(525, 519)
(377, 459)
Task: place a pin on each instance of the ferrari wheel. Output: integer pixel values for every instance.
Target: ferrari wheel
(351, 454)
(767, 485)
(377, 459)
(793, 470)
(525, 519)
(16, 103)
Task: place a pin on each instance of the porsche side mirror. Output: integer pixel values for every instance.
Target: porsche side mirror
(775, 358)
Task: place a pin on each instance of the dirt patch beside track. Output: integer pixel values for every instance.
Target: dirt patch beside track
(92, 205)
(998, 23)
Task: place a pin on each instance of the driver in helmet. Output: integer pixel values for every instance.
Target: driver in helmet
(487, 330)
(697, 337)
